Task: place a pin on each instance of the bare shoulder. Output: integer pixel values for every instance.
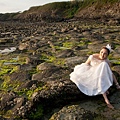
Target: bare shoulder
(96, 55)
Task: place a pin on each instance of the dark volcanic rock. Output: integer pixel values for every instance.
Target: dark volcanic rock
(61, 92)
(117, 69)
(46, 70)
(73, 112)
(7, 101)
(20, 76)
(66, 53)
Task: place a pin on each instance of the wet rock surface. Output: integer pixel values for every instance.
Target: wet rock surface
(35, 84)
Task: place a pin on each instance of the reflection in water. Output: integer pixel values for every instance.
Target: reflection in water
(11, 63)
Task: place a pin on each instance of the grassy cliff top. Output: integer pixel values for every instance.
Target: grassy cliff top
(60, 9)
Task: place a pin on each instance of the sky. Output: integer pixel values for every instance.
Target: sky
(8, 6)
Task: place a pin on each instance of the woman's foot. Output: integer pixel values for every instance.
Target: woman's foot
(107, 101)
(110, 106)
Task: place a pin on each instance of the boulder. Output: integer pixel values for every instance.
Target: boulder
(73, 112)
(65, 53)
(20, 76)
(6, 101)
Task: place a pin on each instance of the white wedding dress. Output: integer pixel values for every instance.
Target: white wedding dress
(92, 79)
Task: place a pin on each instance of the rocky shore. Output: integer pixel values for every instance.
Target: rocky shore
(34, 78)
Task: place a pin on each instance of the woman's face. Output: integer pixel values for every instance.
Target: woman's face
(103, 54)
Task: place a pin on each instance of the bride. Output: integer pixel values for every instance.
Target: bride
(95, 76)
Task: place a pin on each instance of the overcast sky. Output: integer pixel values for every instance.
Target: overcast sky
(8, 6)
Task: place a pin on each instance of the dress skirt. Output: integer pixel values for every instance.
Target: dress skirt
(92, 80)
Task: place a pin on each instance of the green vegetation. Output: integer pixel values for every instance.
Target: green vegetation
(98, 3)
(62, 9)
(9, 65)
(68, 44)
(65, 9)
(7, 84)
(15, 86)
(74, 5)
(116, 62)
(37, 114)
(5, 69)
(8, 16)
(8, 114)
(52, 59)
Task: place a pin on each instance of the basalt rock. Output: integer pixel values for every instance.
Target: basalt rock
(6, 102)
(69, 113)
(20, 76)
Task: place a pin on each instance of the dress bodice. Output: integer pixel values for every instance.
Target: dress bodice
(95, 61)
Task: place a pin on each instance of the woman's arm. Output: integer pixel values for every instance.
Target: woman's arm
(88, 61)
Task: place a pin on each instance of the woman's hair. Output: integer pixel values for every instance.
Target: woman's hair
(104, 47)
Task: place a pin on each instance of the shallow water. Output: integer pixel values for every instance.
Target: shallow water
(11, 63)
(8, 50)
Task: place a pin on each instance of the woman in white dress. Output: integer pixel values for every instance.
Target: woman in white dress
(95, 77)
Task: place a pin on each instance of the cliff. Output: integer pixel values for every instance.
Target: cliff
(59, 11)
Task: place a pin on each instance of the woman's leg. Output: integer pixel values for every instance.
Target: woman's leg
(107, 101)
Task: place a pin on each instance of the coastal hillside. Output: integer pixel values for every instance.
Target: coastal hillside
(59, 11)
